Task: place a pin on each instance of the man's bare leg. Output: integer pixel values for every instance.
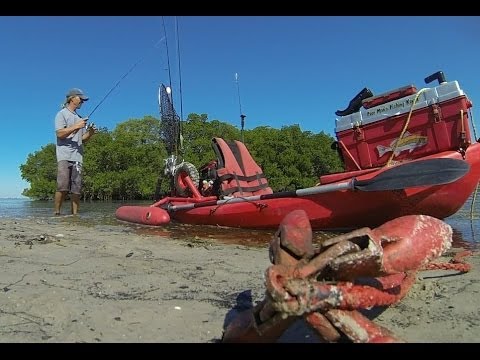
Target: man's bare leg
(75, 203)
(59, 197)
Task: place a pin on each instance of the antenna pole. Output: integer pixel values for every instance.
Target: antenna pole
(242, 116)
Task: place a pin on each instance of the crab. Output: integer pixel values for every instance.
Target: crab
(331, 284)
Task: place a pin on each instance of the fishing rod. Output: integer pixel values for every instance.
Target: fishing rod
(170, 122)
(168, 57)
(120, 80)
(176, 132)
(242, 116)
(179, 83)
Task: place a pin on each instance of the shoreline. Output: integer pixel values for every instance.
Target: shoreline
(66, 282)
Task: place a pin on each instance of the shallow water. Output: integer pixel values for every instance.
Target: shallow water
(464, 223)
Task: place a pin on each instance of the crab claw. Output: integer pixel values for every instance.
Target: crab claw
(410, 242)
(359, 328)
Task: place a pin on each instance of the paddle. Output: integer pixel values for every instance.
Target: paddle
(416, 173)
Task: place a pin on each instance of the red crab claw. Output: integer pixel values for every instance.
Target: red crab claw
(360, 329)
(293, 240)
(410, 242)
(404, 244)
(352, 324)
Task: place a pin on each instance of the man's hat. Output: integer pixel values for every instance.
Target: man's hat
(77, 92)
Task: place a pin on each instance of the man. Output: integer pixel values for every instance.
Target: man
(71, 134)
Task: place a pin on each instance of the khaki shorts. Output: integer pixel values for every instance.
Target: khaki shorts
(69, 176)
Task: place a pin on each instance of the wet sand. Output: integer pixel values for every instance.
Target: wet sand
(66, 282)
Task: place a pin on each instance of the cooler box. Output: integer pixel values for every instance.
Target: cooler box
(439, 122)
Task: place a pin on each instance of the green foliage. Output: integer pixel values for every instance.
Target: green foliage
(128, 162)
(40, 171)
(125, 163)
(198, 133)
(292, 159)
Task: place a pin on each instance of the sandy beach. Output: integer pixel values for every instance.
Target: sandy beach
(63, 282)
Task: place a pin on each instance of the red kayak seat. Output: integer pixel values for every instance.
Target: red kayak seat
(238, 174)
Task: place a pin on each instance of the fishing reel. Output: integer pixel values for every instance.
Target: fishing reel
(170, 165)
(90, 126)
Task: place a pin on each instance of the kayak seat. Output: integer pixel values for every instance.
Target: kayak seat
(238, 174)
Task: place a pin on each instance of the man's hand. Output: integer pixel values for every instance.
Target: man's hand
(91, 129)
(82, 123)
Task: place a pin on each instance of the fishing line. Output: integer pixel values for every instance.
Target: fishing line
(123, 77)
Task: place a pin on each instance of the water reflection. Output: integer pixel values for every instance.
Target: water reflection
(225, 235)
(464, 223)
(179, 231)
(465, 238)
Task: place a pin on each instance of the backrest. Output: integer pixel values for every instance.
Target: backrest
(238, 175)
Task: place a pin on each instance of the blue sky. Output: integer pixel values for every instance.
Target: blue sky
(291, 69)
